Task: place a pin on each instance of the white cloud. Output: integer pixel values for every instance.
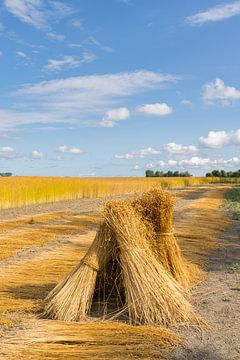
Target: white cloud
(172, 163)
(216, 91)
(38, 12)
(150, 166)
(114, 115)
(139, 154)
(21, 54)
(195, 161)
(155, 109)
(219, 139)
(173, 148)
(28, 11)
(36, 154)
(6, 149)
(185, 102)
(69, 62)
(93, 41)
(77, 23)
(78, 100)
(234, 161)
(8, 153)
(54, 36)
(68, 150)
(217, 13)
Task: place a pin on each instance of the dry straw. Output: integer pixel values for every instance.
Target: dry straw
(71, 299)
(152, 296)
(122, 267)
(156, 209)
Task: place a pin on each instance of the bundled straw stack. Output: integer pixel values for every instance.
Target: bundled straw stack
(71, 299)
(135, 258)
(156, 208)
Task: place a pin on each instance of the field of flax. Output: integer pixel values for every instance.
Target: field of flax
(21, 191)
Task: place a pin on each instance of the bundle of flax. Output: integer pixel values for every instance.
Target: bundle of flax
(71, 299)
(156, 209)
(152, 296)
(122, 266)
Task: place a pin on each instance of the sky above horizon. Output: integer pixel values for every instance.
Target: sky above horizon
(114, 88)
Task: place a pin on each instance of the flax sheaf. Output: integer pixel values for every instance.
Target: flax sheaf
(122, 261)
(156, 210)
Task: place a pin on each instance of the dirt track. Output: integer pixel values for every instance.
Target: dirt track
(28, 273)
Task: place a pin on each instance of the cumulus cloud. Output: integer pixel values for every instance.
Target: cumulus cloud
(80, 99)
(234, 161)
(138, 154)
(217, 92)
(36, 154)
(195, 161)
(219, 139)
(158, 109)
(173, 148)
(114, 115)
(68, 150)
(6, 149)
(8, 152)
(216, 13)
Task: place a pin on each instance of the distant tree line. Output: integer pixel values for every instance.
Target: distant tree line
(224, 174)
(6, 174)
(169, 173)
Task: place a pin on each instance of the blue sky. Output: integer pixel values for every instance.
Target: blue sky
(92, 88)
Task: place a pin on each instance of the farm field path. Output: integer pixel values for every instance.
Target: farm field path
(60, 238)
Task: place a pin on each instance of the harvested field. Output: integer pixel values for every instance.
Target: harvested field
(38, 250)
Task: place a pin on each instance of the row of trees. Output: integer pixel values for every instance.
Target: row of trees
(224, 174)
(151, 173)
(5, 174)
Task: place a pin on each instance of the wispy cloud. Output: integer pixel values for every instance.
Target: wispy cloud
(68, 62)
(142, 153)
(92, 40)
(217, 13)
(54, 36)
(216, 92)
(78, 100)
(158, 109)
(77, 23)
(21, 54)
(185, 102)
(220, 139)
(38, 13)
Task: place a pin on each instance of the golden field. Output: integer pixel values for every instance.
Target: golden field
(21, 191)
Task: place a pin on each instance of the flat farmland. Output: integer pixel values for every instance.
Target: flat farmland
(42, 242)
